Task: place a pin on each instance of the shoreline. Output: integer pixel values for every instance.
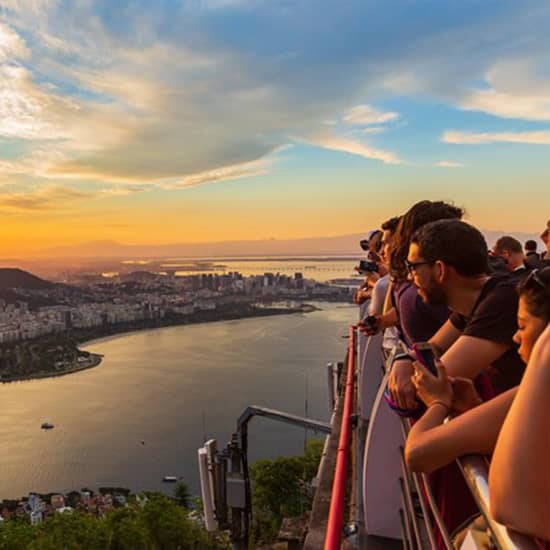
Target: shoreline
(96, 359)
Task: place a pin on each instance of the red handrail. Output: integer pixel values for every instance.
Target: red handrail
(336, 513)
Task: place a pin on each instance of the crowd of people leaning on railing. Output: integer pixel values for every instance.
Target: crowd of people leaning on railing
(485, 314)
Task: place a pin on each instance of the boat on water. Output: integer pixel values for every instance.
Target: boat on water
(47, 426)
(169, 479)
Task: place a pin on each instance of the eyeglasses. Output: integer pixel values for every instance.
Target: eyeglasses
(537, 276)
(411, 266)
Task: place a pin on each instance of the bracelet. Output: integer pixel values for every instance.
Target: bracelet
(402, 355)
(439, 402)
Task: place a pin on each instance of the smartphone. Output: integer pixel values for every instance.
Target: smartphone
(424, 353)
(372, 322)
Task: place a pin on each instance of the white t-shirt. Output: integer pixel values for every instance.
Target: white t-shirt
(376, 307)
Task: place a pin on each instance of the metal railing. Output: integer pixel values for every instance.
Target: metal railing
(476, 473)
(337, 503)
(419, 518)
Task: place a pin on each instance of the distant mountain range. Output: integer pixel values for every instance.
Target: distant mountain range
(343, 245)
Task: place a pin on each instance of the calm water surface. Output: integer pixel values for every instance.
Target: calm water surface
(311, 267)
(168, 387)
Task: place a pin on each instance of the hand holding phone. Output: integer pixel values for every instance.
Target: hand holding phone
(425, 355)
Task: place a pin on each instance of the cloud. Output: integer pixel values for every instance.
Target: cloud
(517, 88)
(506, 105)
(541, 137)
(352, 147)
(11, 45)
(373, 130)
(366, 115)
(244, 170)
(175, 97)
(449, 164)
(42, 199)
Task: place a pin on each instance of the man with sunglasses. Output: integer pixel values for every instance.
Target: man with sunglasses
(448, 262)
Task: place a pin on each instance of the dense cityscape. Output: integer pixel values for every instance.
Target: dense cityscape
(42, 323)
(144, 296)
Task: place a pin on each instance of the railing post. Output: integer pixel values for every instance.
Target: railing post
(337, 503)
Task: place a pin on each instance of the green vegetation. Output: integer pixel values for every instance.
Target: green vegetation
(161, 524)
(282, 488)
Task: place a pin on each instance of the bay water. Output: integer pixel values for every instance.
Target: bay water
(157, 394)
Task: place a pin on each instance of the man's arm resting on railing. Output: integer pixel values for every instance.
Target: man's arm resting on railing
(432, 444)
(519, 478)
(470, 355)
(444, 338)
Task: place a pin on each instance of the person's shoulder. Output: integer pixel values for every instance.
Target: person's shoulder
(540, 356)
(543, 343)
(382, 283)
(505, 284)
(500, 292)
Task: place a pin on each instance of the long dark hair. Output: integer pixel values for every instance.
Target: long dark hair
(418, 215)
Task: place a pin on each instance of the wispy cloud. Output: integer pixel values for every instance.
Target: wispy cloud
(42, 199)
(352, 147)
(11, 45)
(366, 115)
(541, 137)
(244, 170)
(449, 164)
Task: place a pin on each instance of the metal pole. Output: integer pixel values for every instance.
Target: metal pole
(237, 542)
(330, 386)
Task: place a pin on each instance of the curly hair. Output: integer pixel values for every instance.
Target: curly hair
(418, 215)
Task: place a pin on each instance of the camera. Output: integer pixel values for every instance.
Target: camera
(364, 244)
(366, 266)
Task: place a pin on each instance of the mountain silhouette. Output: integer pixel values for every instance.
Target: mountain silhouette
(17, 278)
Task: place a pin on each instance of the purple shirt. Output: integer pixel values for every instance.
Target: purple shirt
(419, 321)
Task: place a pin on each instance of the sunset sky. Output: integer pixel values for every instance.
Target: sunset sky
(172, 121)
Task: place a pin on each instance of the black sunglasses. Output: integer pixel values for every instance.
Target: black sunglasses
(538, 276)
(411, 266)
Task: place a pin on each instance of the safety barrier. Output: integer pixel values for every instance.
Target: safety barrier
(399, 503)
(337, 503)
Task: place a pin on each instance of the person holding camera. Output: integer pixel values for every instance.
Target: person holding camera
(370, 268)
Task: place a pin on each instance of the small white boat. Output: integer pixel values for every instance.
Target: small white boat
(170, 479)
(47, 426)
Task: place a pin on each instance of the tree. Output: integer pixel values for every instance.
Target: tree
(181, 492)
(127, 530)
(282, 488)
(15, 535)
(71, 531)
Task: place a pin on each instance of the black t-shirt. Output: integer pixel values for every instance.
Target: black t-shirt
(494, 318)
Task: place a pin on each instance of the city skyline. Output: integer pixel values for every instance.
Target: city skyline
(225, 120)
